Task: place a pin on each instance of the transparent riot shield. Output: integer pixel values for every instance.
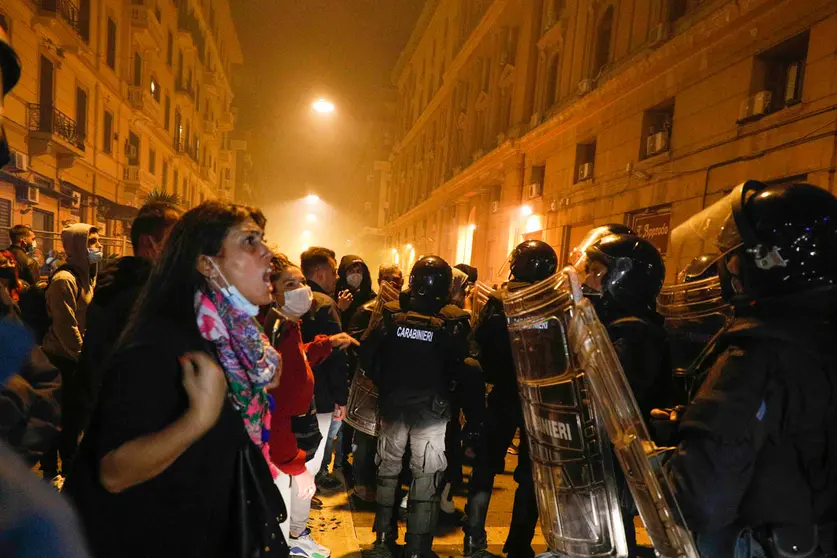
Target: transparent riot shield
(479, 296)
(695, 314)
(638, 457)
(571, 459)
(362, 406)
(577, 405)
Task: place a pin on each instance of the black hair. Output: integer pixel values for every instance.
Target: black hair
(18, 232)
(315, 257)
(174, 279)
(153, 218)
(279, 263)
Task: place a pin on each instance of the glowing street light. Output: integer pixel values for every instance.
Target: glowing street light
(526, 210)
(322, 106)
(311, 218)
(312, 199)
(306, 234)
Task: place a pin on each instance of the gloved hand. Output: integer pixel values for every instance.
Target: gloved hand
(665, 424)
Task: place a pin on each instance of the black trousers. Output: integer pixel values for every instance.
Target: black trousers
(503, 417)
(72, 414)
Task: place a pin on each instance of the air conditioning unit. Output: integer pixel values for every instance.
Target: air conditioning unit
(657, 143)
(75, 200)
(18, 162)
(756, 106)
(33, 195)
(585, 171)
(534, 190)
(495, 206)
(585, 86)
(793, 84)
(658, 35)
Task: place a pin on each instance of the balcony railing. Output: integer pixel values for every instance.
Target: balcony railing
(181, 146)
(184, 88)
(52, 121)
(64, 9)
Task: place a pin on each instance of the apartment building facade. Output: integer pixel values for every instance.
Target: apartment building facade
(118, 98)
(541, 119)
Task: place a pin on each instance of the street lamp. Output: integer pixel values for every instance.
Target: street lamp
(322, 106)
(312, 199)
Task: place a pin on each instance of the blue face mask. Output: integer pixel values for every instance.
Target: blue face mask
(234, 296)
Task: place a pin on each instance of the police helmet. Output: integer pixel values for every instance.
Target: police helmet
(533, 261)
(785, 237)
(430, 283)
(700, 268)
(594, 236)
(635, 269)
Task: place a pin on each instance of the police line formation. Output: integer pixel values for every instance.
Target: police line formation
(707, 408)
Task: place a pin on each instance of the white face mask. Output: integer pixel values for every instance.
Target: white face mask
(33, 246)
(94, 255)
(354, 280)
(298, 302)
(234, 296)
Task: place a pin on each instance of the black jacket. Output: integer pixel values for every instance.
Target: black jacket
(30, 408)
(28, 268)
(117, 290)
(360, 297)
(759, 441)
(331, 377)
(491, 334)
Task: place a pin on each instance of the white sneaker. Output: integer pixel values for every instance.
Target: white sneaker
(404, 501)
(304, 546)
(446, 505)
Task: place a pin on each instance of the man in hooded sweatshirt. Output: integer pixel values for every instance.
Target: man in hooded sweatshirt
(67, 297)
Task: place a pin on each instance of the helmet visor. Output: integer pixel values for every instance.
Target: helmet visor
(712, 231)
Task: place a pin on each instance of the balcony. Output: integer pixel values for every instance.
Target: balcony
(226, 184)
(210, 82)
(184, 91)
(137, 184)
(63, 18)
(53, 132)
(188, 28)
(147, 28)
(209, 175)
(141, 100)
(226, 122)
(210, 127)
(225, 157)
(182, 147)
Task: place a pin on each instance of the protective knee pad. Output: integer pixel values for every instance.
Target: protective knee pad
(427, 487)
(385, 494)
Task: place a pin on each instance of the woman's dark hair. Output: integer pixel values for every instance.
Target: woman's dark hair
(279, 263)
(171, 287)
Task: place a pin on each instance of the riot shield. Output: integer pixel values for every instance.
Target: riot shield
(571, 461)
(695, 314)
(612, 396)
(479, 296)
(576, 397)
(362, 406)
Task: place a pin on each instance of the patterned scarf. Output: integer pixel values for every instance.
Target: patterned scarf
(249, 362)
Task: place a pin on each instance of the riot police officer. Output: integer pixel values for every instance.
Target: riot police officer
(623, 274)
(411, 356)
(756, 469)
(531, 261)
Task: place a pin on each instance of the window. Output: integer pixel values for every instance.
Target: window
(152, 161)
(111, 44)
(677, 9)
(552, 77)
(167, 113)
(132, 149)
(174, 190)
(603, 36)
(585, 157)
(81, 116)
(170, 50)
(154, 85)
(778, 74)
(552, 13)
(657, 125)
(107, 140)
(84, 20)
(137, 69)
(165, 176)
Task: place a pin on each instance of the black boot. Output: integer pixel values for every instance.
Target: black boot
(384, 546)
(477, 547)
(477, 510)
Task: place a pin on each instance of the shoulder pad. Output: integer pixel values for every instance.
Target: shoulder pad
(392, 307)
(453, 312)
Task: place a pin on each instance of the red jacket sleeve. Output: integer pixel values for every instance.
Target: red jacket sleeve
(317, 350)
(284, 452)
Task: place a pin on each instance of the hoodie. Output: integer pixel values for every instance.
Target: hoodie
(363, 294)
(68, 295)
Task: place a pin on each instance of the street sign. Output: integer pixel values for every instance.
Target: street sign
(655, 228)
